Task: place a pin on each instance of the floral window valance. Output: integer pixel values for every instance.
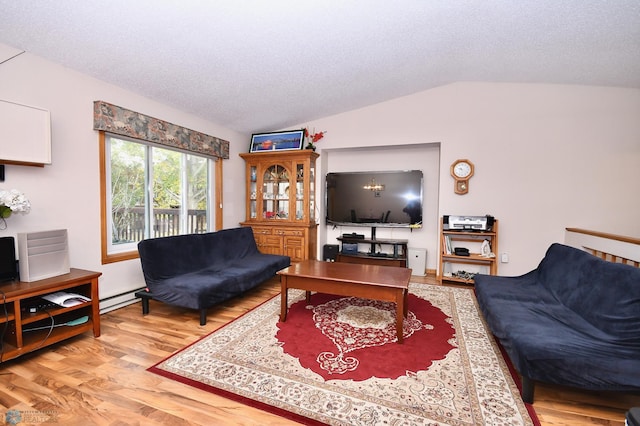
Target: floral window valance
(124, 122)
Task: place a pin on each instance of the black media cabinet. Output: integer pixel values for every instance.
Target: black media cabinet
(374, 256)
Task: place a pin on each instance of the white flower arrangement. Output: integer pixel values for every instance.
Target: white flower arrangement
(13, 201)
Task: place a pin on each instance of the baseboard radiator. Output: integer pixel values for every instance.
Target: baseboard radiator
(118, 301)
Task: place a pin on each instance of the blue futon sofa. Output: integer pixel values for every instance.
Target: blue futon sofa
(574, 320)
(197, 271)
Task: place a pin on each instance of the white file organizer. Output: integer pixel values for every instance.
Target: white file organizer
(43, 254)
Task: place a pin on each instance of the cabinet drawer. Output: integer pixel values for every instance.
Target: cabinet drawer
(289, 232)
(271, 240)
(261, 231)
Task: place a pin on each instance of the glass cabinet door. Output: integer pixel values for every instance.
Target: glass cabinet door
(253, 192)
(299, 191)
(281, 188)
(312, 192)
(275, 192)
(305, 202)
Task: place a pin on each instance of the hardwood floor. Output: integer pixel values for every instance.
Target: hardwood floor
(103, 381)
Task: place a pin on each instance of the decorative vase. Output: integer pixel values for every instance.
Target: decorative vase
(5, 212)
(310, 146)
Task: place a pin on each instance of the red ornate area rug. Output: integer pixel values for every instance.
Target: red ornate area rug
(337, 362)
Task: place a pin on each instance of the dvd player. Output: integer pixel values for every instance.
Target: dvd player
(379, 254)
(36, 304)
(354, 235)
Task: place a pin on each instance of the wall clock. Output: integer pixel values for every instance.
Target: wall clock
(461, 170)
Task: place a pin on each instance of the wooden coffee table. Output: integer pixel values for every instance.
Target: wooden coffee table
(385, 283)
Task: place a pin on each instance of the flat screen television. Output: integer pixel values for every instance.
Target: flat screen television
(376, 198)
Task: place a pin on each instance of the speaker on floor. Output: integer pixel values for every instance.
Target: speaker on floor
(330, 252)
(8, 267)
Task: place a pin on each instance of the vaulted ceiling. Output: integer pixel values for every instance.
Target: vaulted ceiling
(259, 65)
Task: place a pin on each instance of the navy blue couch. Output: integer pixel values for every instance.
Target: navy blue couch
(198, 271)
(574, 320)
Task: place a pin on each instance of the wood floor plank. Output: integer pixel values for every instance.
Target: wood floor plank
(104, 381)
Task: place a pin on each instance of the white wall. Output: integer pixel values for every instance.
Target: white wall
(546, 157)
(66, 193)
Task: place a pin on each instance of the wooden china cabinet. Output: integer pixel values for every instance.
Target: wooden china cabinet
(281, 202)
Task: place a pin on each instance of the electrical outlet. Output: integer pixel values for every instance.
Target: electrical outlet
(504, 258)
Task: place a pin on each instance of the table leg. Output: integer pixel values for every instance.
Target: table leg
(400, 314)
(308, 297)
(95, 308)
(283, 298)
(406, 302)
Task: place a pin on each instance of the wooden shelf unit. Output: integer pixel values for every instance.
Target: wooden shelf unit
(281, 202)
(17, 322)
(397, 258)
(464, 239)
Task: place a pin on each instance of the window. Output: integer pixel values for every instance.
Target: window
(151, 191)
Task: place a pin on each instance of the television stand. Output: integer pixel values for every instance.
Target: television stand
(373, 257)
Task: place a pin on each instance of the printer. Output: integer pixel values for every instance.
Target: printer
(467, 223)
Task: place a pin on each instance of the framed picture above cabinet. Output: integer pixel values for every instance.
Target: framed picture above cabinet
(277, 141)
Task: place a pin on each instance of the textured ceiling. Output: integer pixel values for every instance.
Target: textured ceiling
(258, 65)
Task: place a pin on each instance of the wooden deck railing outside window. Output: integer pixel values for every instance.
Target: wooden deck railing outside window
(129, 223)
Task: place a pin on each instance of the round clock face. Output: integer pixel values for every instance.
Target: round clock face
(462, 169)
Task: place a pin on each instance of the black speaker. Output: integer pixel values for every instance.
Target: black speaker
(8, 267)
(330, 252)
